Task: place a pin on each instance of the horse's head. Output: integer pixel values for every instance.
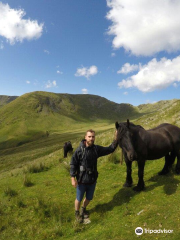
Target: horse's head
(125, 141)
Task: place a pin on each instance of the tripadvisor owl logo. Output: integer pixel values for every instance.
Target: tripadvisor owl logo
(139, 231)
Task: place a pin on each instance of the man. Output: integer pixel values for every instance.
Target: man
(83, 171)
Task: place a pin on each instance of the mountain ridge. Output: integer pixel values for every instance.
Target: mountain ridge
(31, 115)
(4, 99)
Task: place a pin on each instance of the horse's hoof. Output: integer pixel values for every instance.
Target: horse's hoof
(127, 184)
(138, 189)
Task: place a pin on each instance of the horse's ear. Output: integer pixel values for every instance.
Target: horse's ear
(117, 125)
(128, 123)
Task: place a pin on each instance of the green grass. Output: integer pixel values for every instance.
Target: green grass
(45, 210)
(36, 196)
(38, 149)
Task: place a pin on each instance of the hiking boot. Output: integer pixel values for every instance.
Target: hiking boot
(84, 213)
(78, 217)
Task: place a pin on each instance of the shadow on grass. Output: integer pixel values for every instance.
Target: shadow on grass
(124, 195)
(169, 183)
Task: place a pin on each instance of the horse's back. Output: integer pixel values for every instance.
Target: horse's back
(161, 140)
(165, 127)
(166, 135)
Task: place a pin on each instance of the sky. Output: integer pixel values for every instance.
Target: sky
(124, 50)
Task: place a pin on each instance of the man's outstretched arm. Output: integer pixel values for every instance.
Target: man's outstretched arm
(102, 151)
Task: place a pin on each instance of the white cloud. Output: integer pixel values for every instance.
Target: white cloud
(127, 68)
(59, 72)
(125, 93)
(1, 45)
(175, 85)
(46, 51)
(113, 54)
(36, 82)
(150, 102)
(145, 27)
(14, 28)
(28, 82)
(50, 84)
(84, 91)
(154, 75)
(86, 72)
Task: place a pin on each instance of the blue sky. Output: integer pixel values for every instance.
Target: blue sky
(124, 50)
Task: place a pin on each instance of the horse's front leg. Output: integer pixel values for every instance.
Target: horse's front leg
(140, 185)
(129, 180)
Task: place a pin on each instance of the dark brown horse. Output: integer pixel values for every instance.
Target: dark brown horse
(141, 145)
(67, 148)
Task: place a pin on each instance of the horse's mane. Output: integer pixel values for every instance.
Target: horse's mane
(130, 124)
(123, 129)
(139, 126)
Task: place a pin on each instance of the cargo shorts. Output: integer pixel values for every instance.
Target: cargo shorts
(85, 188)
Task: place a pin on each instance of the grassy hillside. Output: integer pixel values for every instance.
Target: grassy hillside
(160, 112)
(29, 116)
(37, 199)
(154, 107)
(6, 99)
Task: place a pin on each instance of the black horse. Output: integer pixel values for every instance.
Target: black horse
(141, 145)
(67, 148)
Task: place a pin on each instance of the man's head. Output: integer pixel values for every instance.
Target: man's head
(90, 137)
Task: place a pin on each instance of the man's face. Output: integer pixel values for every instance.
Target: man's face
(90, 138)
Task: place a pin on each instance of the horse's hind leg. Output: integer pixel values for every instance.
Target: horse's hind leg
(169, 160)
(172, 159)
(178, 163)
